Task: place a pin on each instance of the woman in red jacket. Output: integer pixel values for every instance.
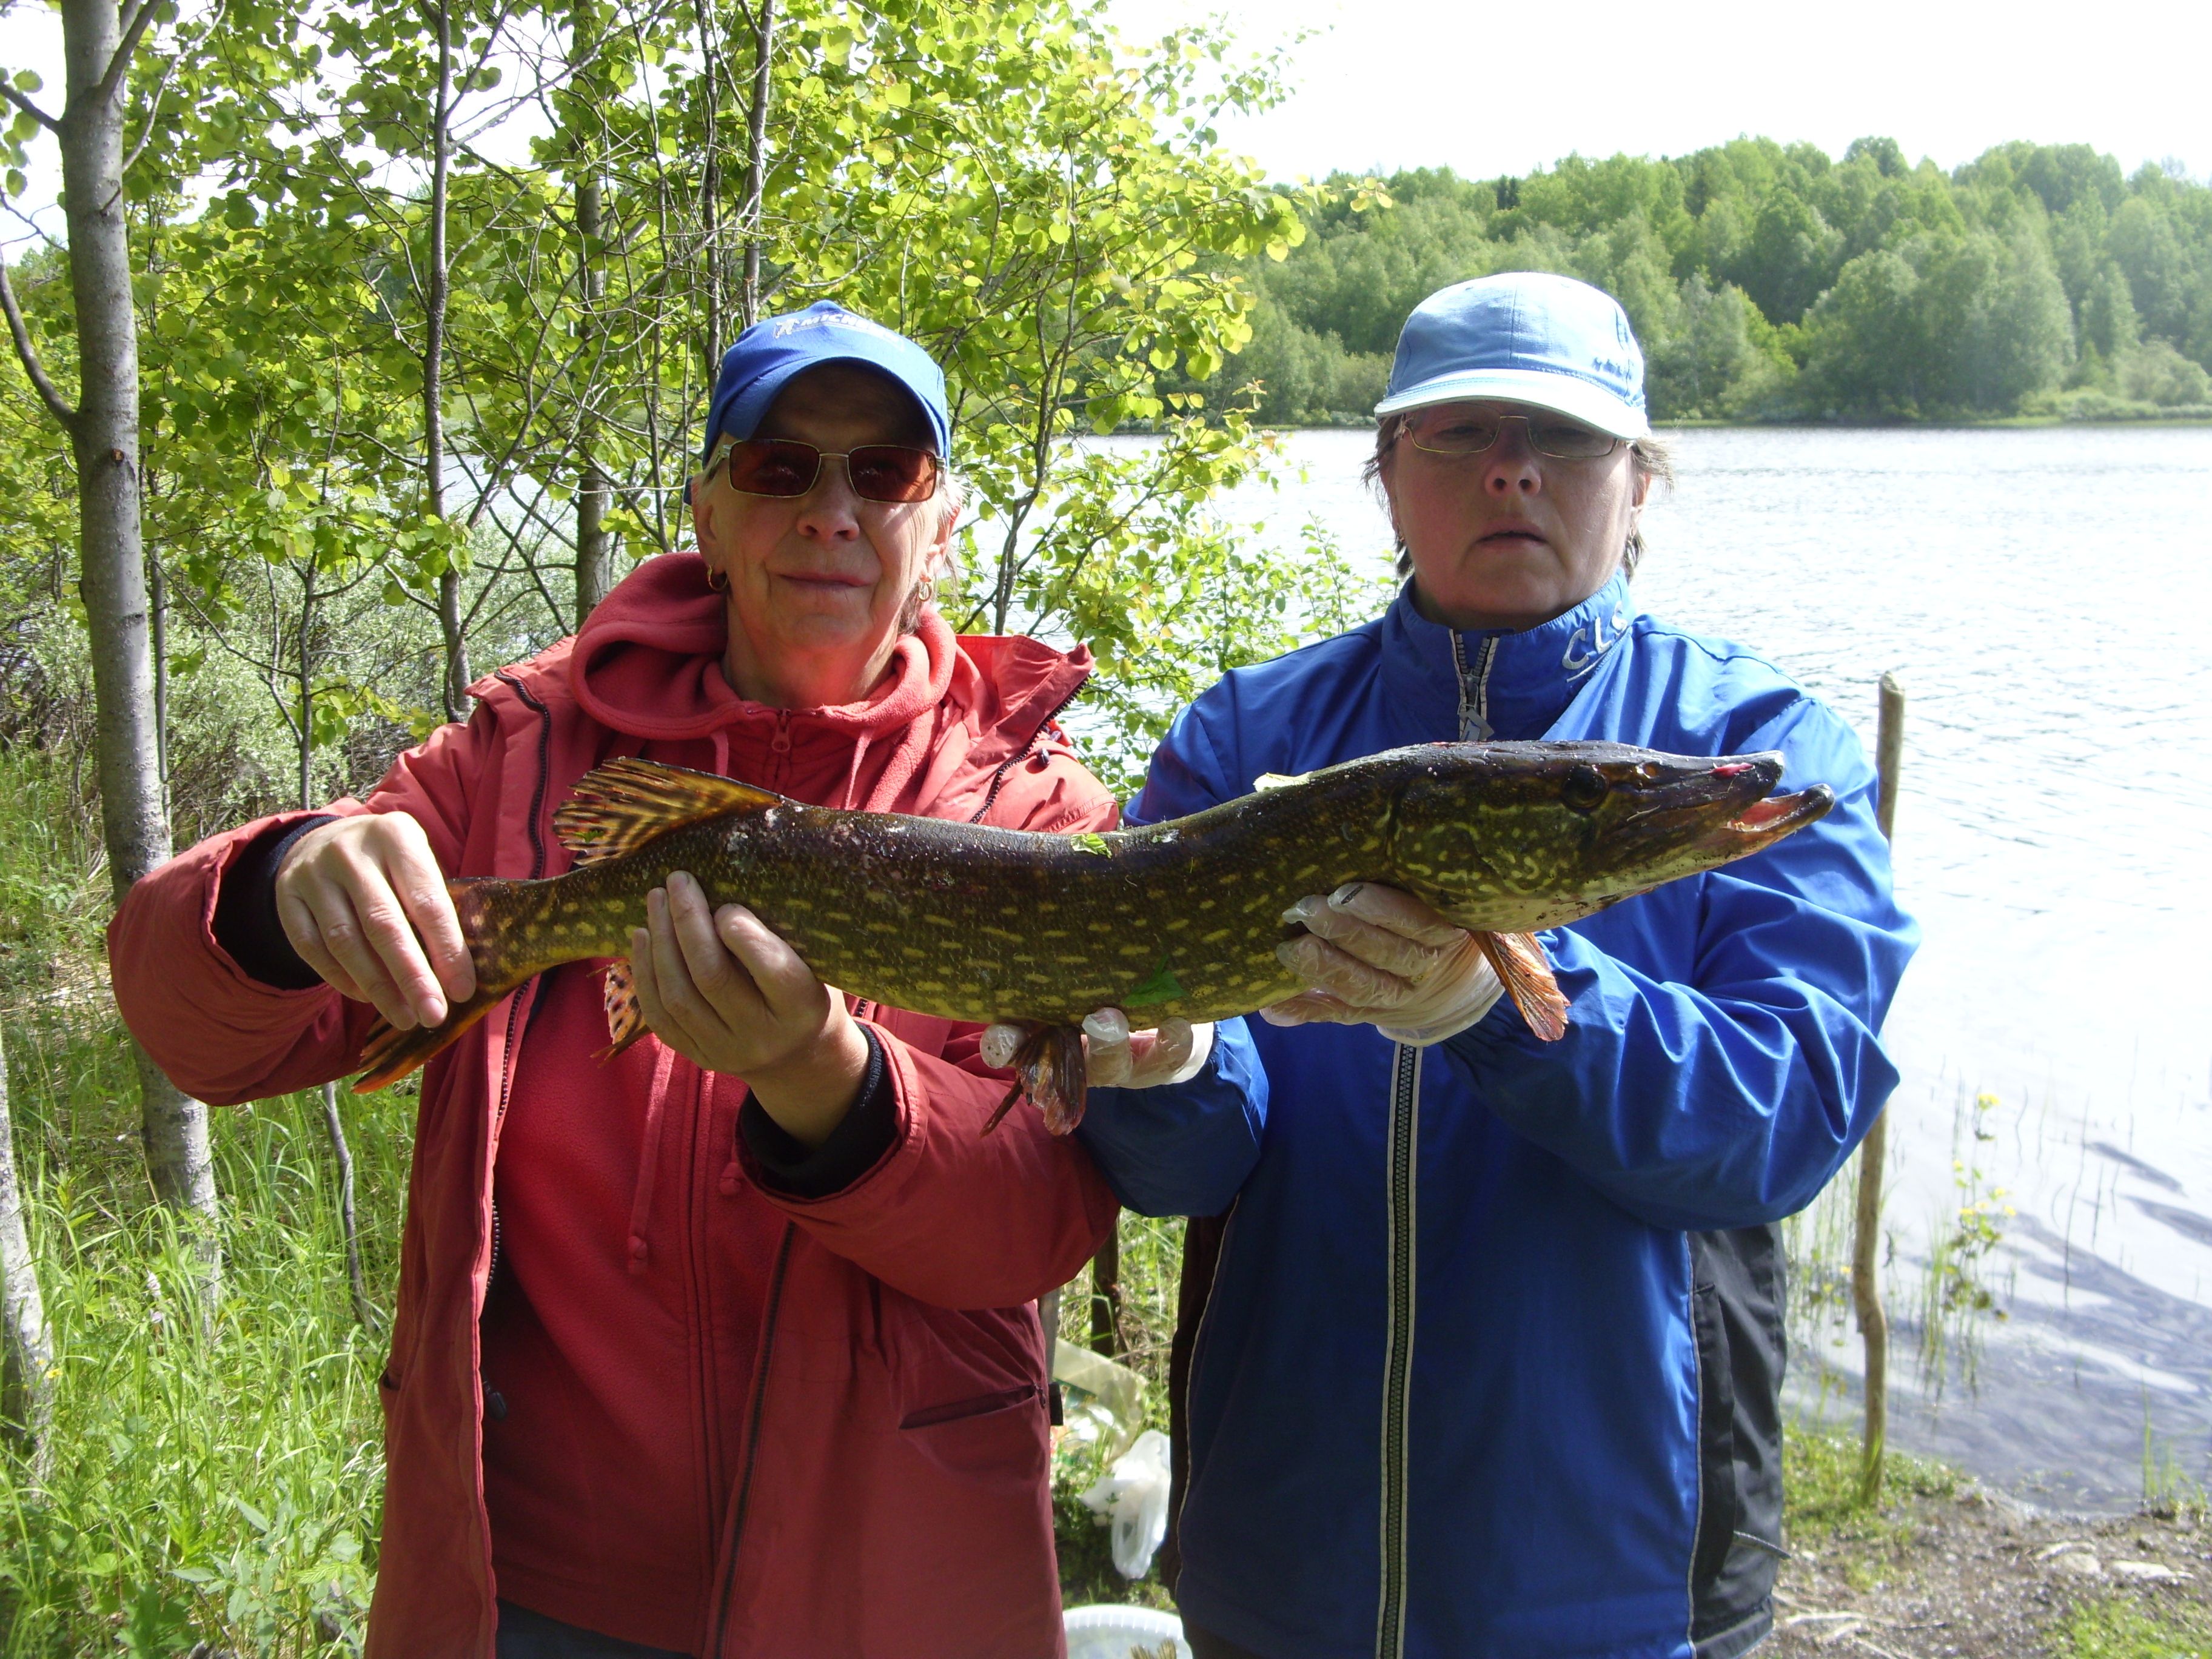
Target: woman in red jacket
(725, 1346)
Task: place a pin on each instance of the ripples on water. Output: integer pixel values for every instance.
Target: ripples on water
(2043, 596)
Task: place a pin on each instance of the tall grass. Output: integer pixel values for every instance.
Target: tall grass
(205, 1478)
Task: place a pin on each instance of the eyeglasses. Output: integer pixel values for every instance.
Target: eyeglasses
(786, 467)
(1449, 430)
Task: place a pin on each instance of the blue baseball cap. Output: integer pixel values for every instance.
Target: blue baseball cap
(771, 351)
(1524, 336)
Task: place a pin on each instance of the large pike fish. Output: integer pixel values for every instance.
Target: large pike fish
(1183, 918)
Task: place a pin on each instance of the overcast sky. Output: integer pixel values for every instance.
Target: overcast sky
(1487, 89)
(1382, 84)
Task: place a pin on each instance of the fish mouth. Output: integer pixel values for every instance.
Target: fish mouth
(1766, 822)
(1720, 809)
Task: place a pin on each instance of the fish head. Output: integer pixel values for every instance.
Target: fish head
(1511, 836)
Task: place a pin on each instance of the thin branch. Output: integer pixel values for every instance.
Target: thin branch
(29, 353)
(28, 108)
(119, 65)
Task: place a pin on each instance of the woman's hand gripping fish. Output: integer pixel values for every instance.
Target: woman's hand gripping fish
(972, 923)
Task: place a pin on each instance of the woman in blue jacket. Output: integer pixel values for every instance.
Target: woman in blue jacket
(1480, 1353)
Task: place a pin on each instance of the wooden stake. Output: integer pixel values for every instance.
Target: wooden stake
(1866, 1236)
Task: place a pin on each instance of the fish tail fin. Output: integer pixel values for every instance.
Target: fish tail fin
(501, 954)
(1526, 973)
(1051, 1069)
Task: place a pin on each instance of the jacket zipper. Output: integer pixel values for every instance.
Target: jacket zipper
(998, 778)
(1474, 689)
(1400, 1185)
(528, 993)
(741, 1501)
(779, 748)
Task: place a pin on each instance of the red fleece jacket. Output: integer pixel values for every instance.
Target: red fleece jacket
(848, 1389)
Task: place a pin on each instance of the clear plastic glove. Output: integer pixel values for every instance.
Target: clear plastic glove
(1376, 956)
(1117, 1058)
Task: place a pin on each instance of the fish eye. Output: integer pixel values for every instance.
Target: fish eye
(1584, 789)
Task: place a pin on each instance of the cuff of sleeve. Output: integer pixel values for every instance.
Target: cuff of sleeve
(245, 923)
(786, 1166)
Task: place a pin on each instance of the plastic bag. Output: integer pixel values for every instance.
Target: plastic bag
(1135, 1496)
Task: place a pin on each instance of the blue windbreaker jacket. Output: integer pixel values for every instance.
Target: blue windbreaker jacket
(1489, 1362)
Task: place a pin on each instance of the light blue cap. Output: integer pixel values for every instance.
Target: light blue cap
(1523, 337)
(768, 354)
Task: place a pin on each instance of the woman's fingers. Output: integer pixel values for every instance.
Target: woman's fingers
(305, 931)
(364, 936)
(1312, 1008)
(644, 979)
(998, 1045)
(674, 987)
(780, 975)
(357, 897)
(1397, 911)
(1382, 927)
(720, 978)
(1324, 966)
(412, 870)
(1109, 1051)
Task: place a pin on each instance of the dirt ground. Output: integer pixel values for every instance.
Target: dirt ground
(1971, 1574)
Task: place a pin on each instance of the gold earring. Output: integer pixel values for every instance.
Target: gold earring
(718, 579)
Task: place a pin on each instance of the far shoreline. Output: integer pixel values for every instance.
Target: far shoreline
(1995, 423)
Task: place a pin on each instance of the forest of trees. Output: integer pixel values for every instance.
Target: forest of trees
(1767, 280)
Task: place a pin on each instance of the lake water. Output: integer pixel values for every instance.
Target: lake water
(2044, 597)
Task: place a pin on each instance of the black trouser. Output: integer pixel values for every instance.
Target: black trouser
(526, 1635)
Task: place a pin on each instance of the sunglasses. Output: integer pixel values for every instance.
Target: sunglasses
(1458, 430)
(786, 467)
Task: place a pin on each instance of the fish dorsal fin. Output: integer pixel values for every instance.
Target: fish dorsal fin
(618, 807)
(1526, 973)
(1278, 780)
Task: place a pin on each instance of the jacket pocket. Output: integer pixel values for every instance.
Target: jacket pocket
(929, 1416)
(1719, 1504)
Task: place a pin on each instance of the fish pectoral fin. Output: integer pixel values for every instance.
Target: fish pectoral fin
(625, 1014)
(619, 807)
(1526, 973)
(1051, 1069)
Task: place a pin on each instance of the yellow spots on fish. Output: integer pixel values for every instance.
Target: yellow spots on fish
(1178, 924)
(1216, 936)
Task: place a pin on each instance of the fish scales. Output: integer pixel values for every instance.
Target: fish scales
(979, 900)
(1183, 919)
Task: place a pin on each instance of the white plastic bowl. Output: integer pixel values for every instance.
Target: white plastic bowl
(1109, 1632)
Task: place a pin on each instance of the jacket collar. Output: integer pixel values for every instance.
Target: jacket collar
(1484, 684)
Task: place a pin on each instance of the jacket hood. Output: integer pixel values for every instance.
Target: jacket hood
(648, 664)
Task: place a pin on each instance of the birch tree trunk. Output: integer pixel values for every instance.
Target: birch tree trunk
(757, 156)
(98, 39)
(434, 366)
(594, 548)
(26, 1349)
